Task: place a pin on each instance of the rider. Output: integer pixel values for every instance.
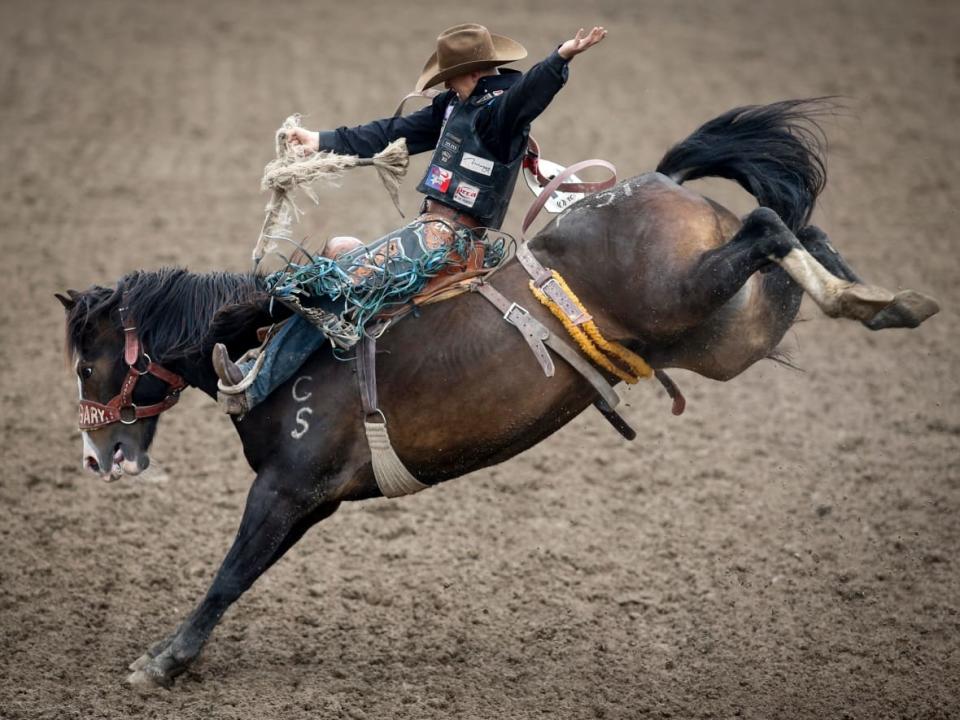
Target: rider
(478, 131)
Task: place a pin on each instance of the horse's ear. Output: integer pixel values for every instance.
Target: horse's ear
(68, 300)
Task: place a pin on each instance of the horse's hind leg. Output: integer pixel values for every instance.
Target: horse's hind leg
(275, 518)
(818, 244)
(907, 308)
(874, 306)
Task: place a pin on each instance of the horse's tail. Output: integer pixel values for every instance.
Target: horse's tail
(775, 153)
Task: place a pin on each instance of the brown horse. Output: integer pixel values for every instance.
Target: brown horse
(665, 271)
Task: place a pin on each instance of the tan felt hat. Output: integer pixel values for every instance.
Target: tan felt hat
(465, 48)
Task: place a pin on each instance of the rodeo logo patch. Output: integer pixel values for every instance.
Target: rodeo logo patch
(438, 178)
(466, 194)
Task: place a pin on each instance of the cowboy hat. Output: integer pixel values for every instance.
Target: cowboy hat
(465, 48)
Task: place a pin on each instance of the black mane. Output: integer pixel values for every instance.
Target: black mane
(173, 309)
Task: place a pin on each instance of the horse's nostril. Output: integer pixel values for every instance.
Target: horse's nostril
(92, 464)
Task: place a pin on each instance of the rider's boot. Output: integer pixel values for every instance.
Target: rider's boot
(227, 370)
(245, 384)
(230, 374)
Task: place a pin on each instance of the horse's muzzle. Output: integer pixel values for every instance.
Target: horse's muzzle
(119, 464)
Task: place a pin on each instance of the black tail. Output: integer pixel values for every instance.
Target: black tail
(775, 153)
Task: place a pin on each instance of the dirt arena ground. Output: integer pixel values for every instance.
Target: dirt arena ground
(789, 548)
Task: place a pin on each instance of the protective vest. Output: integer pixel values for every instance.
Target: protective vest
(463, 174)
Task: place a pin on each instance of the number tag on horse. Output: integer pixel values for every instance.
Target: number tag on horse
(559, 201)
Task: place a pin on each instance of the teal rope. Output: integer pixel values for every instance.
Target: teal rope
(396, 281)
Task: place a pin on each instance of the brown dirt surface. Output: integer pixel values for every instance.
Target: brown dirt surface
(789, 548)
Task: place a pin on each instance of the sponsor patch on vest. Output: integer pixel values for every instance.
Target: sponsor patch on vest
(438, 178)
(451, 143)
(476, 164)
(466, 194)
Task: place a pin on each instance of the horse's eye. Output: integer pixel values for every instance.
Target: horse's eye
(86, 371)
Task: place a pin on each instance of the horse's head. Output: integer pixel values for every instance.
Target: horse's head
(121, 389)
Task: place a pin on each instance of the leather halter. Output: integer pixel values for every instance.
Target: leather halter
(121, 408)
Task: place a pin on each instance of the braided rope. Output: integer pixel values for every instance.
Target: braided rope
(592, 341)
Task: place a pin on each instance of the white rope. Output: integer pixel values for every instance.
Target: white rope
(296, 167)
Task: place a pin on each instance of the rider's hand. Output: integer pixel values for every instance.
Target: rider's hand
(308, 138)
(581, 42)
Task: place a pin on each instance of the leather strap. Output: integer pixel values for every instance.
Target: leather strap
(94, 415)
(367, 374)
(615, 419)
(131, 342)
(533, 267)
(679, 401)
(543, 280)
(532, 329)
(536, 334)
(557, 184)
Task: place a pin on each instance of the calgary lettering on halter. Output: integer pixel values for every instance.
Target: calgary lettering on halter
(91, 415)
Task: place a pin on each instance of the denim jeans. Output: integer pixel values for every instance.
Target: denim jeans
(286, 352)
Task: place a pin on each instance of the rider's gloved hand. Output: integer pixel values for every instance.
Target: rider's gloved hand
(310, 139)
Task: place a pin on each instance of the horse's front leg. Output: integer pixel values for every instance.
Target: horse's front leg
(277, 515)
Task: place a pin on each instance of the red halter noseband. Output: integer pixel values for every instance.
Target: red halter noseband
(120, 408)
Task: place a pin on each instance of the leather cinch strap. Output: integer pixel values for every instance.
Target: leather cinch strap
(537, 336)
(393, 478)
(367, 375)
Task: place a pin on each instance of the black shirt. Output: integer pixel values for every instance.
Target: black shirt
(524, 97)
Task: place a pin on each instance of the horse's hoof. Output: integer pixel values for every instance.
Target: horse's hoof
(907, 310)
(862, 302)
(140, 663)
(144, 682)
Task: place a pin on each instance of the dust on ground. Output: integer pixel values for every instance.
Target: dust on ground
(786, 549)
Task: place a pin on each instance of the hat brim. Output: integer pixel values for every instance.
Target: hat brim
(505, 51)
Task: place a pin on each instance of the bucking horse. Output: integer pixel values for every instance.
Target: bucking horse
(668, 273)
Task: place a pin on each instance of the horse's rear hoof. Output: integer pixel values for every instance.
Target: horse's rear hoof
(907, 310)
(861, 302)
(145, 682)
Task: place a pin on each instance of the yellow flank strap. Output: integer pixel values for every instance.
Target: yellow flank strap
(592, 341)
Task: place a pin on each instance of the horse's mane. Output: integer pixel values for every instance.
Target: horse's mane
(173, 309)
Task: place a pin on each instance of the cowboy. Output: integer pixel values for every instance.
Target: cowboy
(478, 133)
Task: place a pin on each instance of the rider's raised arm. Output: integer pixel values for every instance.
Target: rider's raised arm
(529, 97)
(420, 128)
(523, 102)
